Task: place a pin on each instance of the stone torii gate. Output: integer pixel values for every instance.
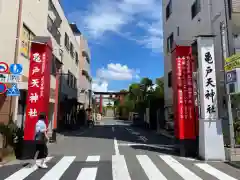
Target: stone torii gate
(117, 95)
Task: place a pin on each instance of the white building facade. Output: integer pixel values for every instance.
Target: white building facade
(183, 21)
(39, 18)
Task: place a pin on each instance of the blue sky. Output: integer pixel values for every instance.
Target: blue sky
(125, 39)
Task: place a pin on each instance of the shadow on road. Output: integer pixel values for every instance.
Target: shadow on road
(160, 143)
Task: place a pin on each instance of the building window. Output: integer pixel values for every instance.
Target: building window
(71, 50)
(66, 41)
(170, 79)
(170, 43)
(196, 8)
(72, 80)
(53, 66)
(53, 29)
(169, 9)
(26, 38)
(76, 57)
(229, 5)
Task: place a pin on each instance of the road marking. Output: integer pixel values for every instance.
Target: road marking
(144, 139)
(25, 172)
(93, 159)
(119, 168)
(135, 133)
(152, 172)
(179, 168)
(116, 146)
(128, 129)
(141, 144)
(81, 133)
(157, 146)
(58, 170)
(214, 172)
(87, 174)
(113, 129)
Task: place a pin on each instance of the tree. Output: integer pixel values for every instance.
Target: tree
(135, 92)
(146, 82)
(159, 90)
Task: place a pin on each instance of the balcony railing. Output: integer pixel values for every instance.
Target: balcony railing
(52, 28)
(85, 54)
(85, 73)
(235, 6)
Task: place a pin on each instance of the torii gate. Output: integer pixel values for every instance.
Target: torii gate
(118, 95)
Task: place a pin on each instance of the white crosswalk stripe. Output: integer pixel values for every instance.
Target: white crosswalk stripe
(93, 158)
(152, 172)
(121, 170)
(87, 174)
(214, 172)
(179, 168)
(25, 172)
(57, 171)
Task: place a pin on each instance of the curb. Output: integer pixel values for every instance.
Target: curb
(234, 165)
(166, 134)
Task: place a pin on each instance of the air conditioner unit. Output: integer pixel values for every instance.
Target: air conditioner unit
(233, 81)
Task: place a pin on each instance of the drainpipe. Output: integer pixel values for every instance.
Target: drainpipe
(19, 24)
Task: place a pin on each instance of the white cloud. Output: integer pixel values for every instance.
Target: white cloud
(117, 72)
(100, 86)
(103, 16)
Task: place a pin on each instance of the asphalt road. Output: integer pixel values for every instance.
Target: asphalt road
(114, 150)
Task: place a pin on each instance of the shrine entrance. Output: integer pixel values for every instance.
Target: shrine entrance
(108, 110)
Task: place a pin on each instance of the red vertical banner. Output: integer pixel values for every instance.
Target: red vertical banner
(179, 104)
(100, 103)
(38, 87)
(184, 114)
(190, 96)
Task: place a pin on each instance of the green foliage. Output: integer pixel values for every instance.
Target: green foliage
(140, 95)
(11, 132)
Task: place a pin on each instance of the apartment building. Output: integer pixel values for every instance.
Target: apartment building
(85, 80)
(40, 18)
(183, 21)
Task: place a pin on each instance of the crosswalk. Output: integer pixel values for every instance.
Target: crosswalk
(159, 167)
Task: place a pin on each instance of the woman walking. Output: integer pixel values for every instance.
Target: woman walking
(41, 139)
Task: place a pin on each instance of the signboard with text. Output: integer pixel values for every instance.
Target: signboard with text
(184, 115)
(38, 87)
(207, 74)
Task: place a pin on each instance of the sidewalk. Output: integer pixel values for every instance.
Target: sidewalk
(165, 133)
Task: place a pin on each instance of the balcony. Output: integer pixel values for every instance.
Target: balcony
(53, 29)
(86, 55)
(52, 12)
(235, 15)
(85, 73)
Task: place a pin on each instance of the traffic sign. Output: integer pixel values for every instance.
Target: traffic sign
(16, 69)
(4, 67)
(3, 78)
(3, 88)
(231, 76)
(13, 91)
(12, 78)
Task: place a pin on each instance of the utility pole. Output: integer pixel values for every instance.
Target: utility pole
(225, 54)
(15, 60)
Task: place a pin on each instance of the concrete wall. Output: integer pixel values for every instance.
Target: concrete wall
(69, 63)
(84, 84)
(8, 9)
(35, 17)
(189, 28)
